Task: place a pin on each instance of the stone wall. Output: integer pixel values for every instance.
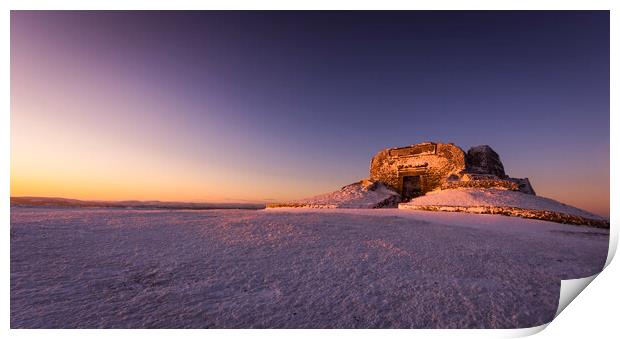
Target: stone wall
(444, 166)
(434, 162)
(558, 217)
(486, 183)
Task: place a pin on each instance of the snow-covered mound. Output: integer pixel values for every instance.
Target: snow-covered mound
(362, 194)
(506, 202)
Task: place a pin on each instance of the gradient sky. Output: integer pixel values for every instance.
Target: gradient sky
(263, 106)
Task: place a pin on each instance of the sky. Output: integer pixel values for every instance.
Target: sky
(271, 106)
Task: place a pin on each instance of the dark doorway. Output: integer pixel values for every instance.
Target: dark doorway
(411, 187)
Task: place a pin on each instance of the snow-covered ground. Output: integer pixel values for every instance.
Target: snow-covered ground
(497, 197)
(362, 194)
(290, 268)
(506, 202)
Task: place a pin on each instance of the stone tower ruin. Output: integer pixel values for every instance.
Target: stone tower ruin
(417, 169)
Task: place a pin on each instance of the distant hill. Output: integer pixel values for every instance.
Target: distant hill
(44, 201)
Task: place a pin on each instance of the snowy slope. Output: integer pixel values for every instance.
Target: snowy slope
(290, 268)
(362, 194)
(499, 201)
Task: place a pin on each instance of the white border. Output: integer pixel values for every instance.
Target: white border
(591, 313)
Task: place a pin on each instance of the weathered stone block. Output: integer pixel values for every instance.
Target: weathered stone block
(484, 160)
(416, 169)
